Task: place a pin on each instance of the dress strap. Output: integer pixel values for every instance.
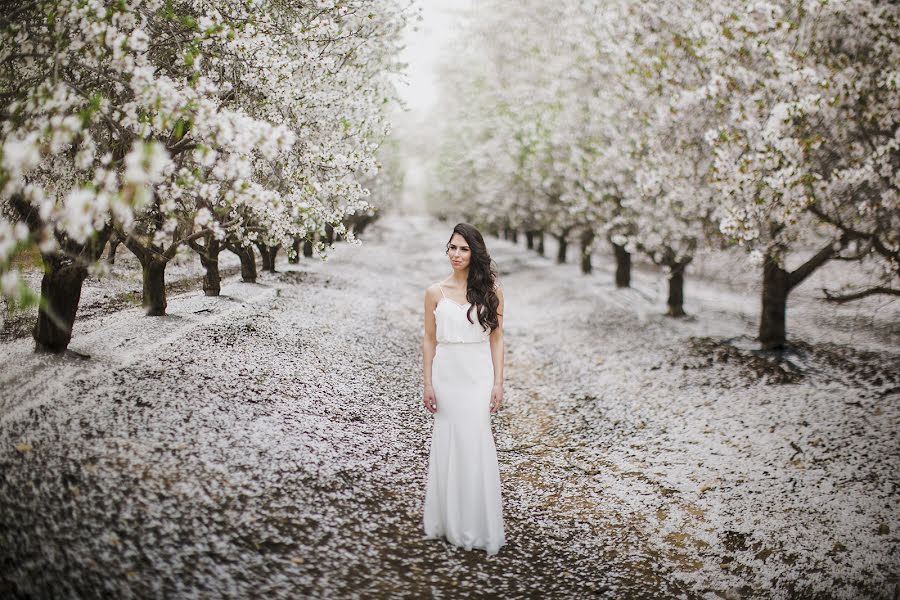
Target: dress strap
(442, 289)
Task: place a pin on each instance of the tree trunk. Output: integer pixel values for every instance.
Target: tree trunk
(514, 236)
(248, 262)
(778, 283)
(529, 239)
(776, 287)
(676, 291)
(329, 234)
(561, 250)
(64, 273)
(540, 243)
(60, 294)
(587, 240)
(273, 252)
(296, 247)
(154, 268)
(266, 258)
(268, 254)
(113, 244)
(307, 248)
(153, 264)
(209, 258)
(623, 266)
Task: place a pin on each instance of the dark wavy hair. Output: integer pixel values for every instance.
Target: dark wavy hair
(482, 276)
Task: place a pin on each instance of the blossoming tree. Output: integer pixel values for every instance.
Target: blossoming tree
(177, 123)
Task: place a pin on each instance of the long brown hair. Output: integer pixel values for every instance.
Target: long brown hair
(481, 280)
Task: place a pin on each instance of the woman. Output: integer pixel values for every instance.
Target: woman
(463, 363)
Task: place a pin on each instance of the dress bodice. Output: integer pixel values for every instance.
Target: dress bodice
(453, 326)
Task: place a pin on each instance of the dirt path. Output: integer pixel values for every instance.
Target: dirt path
(271, 442)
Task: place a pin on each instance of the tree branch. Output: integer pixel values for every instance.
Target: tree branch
(817, 260)
(842, 298)
(855, 233)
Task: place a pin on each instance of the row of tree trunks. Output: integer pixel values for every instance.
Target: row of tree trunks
(777, 281)
(65, 272)
(535, 241)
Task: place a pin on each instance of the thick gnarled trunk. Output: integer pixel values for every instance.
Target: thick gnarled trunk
(772, 321)
(777, 286)
(153, 265)
(60, 294)
(154, 270)
(209, 258)
(248, 261)
(64, 274)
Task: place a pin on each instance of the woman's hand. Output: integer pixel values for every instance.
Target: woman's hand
(429, 400)
(496, 397)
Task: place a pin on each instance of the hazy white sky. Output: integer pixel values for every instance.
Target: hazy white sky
(425, 47)
(428, 43)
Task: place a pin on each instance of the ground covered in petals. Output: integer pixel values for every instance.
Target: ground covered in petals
(271, 442)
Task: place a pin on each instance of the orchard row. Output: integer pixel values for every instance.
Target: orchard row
(160, 124)
(672, 128)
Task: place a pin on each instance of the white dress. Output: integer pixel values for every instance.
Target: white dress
(462, 496)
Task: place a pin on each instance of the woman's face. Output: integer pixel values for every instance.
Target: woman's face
(459, 252)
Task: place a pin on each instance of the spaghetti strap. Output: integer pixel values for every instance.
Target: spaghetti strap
(442, 289)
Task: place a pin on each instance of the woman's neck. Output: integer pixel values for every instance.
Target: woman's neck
(460, 278)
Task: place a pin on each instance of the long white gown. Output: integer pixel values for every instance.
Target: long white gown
(462, 496)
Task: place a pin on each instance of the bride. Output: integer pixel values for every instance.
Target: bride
(463, 367)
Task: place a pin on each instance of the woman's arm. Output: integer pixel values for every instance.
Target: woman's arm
(497, 356)
(429, 347)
